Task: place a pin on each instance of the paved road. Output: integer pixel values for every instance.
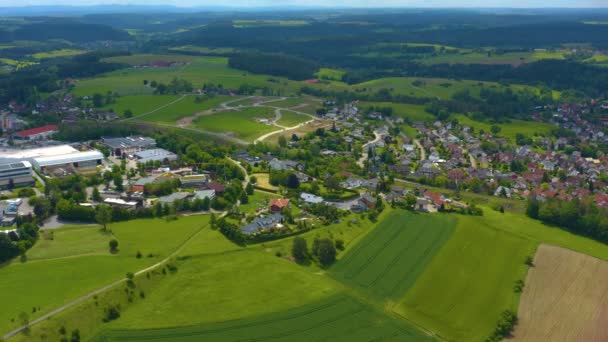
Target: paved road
(364, 155)
(421, 148)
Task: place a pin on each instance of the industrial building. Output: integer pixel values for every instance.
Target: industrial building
(155, 154)
(18, 174)
(128, 145)
(62, 156)
(37, 133)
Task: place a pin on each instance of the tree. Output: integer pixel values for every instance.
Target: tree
(98, 100)
(249, 189)
(325, 251)
(299, 250)
(75, 337)
(292, 181)
(96, 195)
(282, 141)
(128, 113)
(410, 200)
(117, 179)
(103, 216)
(495, 129)
(113, 245)
(243, 198)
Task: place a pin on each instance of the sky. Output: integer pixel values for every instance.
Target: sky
(323, 3)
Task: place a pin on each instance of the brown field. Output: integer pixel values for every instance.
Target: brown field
(565, 298)
(264, 182)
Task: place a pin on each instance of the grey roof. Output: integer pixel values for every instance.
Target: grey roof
(262, 223)
(154, 155)
(12, 166)
(173, 197)
(137, 142)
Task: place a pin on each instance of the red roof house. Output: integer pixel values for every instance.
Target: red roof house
(277, 204)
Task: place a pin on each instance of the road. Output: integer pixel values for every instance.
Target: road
(105, 288)
(247, 178)
(421, 148)
(364, 155)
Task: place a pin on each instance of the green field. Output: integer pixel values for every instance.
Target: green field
(469, 283)
(140, 104)
(338, 318)
(259, 200)
(514, 58)
(390, 259)
(203, 50)
(148, 59)
(509, 130)
(404, 110)
(290, 119)
(201, 70)
(267, 23)
(78, 261)
(58, 53)
(241, 124)
(330, 74)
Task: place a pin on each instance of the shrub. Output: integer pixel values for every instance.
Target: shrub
(111, 313)
(299, 250)
(113, 245)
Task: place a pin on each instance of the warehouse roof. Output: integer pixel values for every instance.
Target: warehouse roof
(68, 158)
(37, 130)
(154, 154)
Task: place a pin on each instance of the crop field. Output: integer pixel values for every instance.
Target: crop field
(390, 259)
(48, 279)
(338, 318)
(291, 119)
(470, 282)
(564, 298)
(140, 104)
(58, 53)
(241, 124)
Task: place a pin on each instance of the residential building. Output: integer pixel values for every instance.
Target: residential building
(310, 198)
(278, 204)
(263, 223)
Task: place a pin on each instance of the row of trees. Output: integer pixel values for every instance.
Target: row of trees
(323, 251)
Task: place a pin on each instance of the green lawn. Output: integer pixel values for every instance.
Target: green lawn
(150, 58)
(74, 263)
(259, 200)
(337, 318)
(389, 260)
(241, 124)
(469, 282)
(140, 104)
(183, 108)
(330, 74)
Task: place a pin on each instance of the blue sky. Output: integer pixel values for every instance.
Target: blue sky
(325, 3)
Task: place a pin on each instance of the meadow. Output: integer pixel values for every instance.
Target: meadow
(513, 58)
(244, 23)
(145, 59)
(291, 119)
(411, 112)
(509, 130)
(339, 318)
(241, 124)
(58, 53)
(464, 289)
(390, 259)
(77, 260)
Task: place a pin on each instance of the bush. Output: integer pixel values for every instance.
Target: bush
(339, 244)
(111, 313)
(113, 245)
(325, 251)
(504, 327)
(299, 250)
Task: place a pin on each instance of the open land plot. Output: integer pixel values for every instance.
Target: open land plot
(187, 106)
(464, 289)
(389, 260)
(60, 272)
(509, 130)
(564, 298)
(300, 131)
(338, 318)
(140, 104)
(150, 58)
(412, 112)
(228, 285)
(258, 201)
(58, 53)
(291, 119)
(202, 70)
(263, 181)
(242, 124)
(297, 103)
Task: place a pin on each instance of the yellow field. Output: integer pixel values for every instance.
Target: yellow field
(565, 298)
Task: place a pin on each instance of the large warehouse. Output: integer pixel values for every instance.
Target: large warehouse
(16, 174)
(62, 156)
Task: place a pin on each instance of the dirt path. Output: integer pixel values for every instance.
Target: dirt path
(364, 155)
(422, 151)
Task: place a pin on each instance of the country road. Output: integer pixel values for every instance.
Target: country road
(364, 155)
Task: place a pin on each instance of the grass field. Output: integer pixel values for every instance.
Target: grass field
(74, 263)
(140, 104)
(514, 58)
(509, 130)
(409, 111)
(390, 259)
(243, 23)
(330, 74)
(58, 53)
(259, 200)
(263, 181)
(241, 124)
(338, 318)
(290, 119)
(564, 298)
(150, 58)
(203, 49)
(469, 282)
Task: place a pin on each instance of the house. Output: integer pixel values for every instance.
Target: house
(173, 197)
(503, 190)
(194, 181)
(278, 204)
(218, 187)
(263, 223)
(202, 194)
(369, 201)
(310, 198)
(285, 165)
(117, 202)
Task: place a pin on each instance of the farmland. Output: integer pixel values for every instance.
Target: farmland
(509, 130)
(290, 119)
(564, 298)
(149, 59)
(390, 259)
(58, 53)
(469, 283)
(327, 319)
